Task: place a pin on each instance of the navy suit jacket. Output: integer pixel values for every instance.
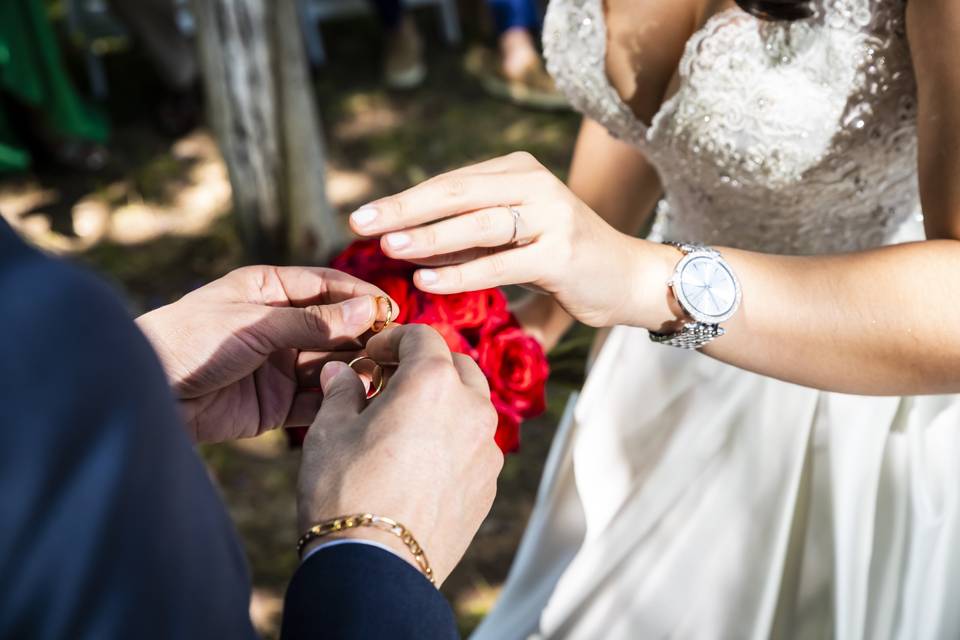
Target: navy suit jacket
(109, 524)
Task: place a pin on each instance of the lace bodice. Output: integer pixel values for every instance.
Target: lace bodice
(794, 138)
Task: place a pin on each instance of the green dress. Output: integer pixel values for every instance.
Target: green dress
(32, 74)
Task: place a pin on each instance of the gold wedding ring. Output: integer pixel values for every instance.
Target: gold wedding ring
(377, 376)
(378, 324)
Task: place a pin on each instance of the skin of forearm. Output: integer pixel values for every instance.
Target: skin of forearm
(880, 322)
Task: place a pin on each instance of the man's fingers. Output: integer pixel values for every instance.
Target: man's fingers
(513, 266)
(406, 344)
(291, 286)
(471, 374)
(342, 286)
(303, 411)
(319, 327)
(344, 395)
(311, 363)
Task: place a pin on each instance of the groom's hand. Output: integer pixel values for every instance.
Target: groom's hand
(421, 453)
(242, 352)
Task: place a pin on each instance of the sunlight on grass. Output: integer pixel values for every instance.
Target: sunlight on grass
(179, 193)
(266, 608)
(270, 445)
(473, 605)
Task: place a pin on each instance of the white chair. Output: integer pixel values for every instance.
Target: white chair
(313, 12)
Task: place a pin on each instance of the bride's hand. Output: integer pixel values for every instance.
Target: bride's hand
(461, 226)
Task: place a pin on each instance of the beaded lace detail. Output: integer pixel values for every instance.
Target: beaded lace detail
(793, 138)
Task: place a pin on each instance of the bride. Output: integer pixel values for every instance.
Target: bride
(804, 479)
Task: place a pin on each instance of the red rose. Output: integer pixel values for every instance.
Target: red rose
(475, 309)
(364, 259)
(517, 369)
(508, 432)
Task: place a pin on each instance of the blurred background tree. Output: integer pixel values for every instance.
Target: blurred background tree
(261, 107)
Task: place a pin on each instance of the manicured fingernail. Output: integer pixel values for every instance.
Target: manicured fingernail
(357, 312)
(330, 371)
(364, 216)
(428, 276)
(398, 240)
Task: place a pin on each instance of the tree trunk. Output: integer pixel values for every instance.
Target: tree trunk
(261, 105)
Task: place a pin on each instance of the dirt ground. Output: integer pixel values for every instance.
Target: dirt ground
(157, 222)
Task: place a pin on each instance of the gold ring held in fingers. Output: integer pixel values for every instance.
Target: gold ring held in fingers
(378, 324)
(516, 223)
(376, 381)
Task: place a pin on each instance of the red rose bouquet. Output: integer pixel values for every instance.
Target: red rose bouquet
(476, 323)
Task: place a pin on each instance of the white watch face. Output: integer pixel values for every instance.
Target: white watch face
(706, 288)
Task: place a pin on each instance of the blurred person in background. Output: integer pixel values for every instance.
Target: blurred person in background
(42, 117)
(515, 72)
(403, 63)
(159, 28)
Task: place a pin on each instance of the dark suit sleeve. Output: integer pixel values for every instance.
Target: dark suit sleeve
(361, 591)
(109, 525)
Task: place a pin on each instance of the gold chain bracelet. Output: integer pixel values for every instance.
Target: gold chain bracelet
(343, 523)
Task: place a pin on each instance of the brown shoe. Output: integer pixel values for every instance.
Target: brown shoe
(403, 66)
(534, 88)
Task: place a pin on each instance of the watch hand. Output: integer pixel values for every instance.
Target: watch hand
(697, 295)
(716, 305)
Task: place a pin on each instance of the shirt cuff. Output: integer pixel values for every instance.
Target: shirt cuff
(334, 543)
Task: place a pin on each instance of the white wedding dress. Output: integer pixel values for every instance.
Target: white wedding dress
(685, 498)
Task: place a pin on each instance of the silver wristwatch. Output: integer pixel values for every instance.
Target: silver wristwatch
(707, 290)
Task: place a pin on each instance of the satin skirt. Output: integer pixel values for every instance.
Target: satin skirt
(685, 498)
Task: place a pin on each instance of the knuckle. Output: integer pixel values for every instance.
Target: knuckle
(496, 460)
(242, 272)
(489, 419)
(468, 363)
(317, 319)
(454, 186)
(434, 380)
(437, 370)
(463, 360)
(498, 266)
(428, 237)
(523, 157)
(484, 223)
(420, 332)
(455, 276)
(391, 208)
(494, 464)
